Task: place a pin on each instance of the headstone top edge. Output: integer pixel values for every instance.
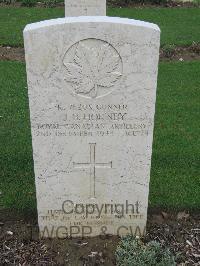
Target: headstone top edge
(86, 19)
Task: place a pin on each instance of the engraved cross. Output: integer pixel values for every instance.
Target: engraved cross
(92, 165)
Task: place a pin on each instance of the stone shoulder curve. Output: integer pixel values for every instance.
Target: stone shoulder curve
(90, 19)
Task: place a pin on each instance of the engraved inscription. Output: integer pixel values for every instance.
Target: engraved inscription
(75, 8)
(92, 165)
(92, 67)
(95, 120)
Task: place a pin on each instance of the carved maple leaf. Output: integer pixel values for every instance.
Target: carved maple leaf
(92, 68)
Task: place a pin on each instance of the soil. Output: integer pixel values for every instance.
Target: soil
(176, 54)
(20, 245)
(111, 3)
(180, 53)
(164, 4)
(11, 53)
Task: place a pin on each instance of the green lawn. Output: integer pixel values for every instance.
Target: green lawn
(16, 167)
(175, 181)
(175, 175)
(180, 26)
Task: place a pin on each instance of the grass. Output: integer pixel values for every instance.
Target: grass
(175, 175)
(175, 181)
(16, 170)
(179, 26)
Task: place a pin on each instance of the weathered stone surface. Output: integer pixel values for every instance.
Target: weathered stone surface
(77, 8)
(92, 92)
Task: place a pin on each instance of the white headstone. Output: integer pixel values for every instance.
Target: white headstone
(75, 8)
(92, 92)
